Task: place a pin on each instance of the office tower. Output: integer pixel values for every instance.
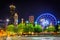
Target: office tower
(15, 19)
(12, 13)
(31, 19)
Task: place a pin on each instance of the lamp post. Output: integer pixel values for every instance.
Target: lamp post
(27, 22)
(35, 23)
(7, 21)
(22, 20)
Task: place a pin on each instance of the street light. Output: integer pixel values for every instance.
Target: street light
(35, 23)
(27, 22)
(58, 22)
(7, 20)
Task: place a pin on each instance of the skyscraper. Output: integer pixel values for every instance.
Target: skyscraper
(12, 9)
(12, 12)
(31, 19)
(16, 19)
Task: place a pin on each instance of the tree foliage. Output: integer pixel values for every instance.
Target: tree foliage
(58, 27)
(29, 28)
(38, 28)
(10, 28)
(51, 29)
(21, 27)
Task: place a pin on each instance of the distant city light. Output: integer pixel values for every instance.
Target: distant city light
(27, 21)
(17, 21)
(22, 20)
(7, 20)
(35, 22)
(58, 22)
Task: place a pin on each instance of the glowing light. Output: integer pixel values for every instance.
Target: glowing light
(22, 20)
(16, 14)
(17, 21)
(51, 24)
(7, 20)
(44, 22)
(45, 19)
(58, 22)
(12, 6)
(27, 21)
(35, 22)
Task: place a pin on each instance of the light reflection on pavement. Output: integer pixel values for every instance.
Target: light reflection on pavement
(29, 38)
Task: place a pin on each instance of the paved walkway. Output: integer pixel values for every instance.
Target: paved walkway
(29, 38)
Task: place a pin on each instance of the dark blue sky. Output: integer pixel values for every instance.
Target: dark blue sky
(26, 8)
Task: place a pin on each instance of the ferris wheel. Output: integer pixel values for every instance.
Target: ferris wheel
(46, 18)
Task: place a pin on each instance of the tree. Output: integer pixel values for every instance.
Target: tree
(29, 28)
(58, 27)
(38, 28)
(10, 28)
(21, 27)
(51, 28)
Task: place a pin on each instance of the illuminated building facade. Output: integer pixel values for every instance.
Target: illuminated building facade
(12, 9)
(12, 12)
(31, 19)
(15, 19)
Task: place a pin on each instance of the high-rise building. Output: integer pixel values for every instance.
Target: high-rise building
(31, 19)
(12, 12)
(15, 19)
(12, 9)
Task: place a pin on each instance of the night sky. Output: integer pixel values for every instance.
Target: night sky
(27, 8)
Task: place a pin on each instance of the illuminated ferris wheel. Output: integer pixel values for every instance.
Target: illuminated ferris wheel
(45, 19)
